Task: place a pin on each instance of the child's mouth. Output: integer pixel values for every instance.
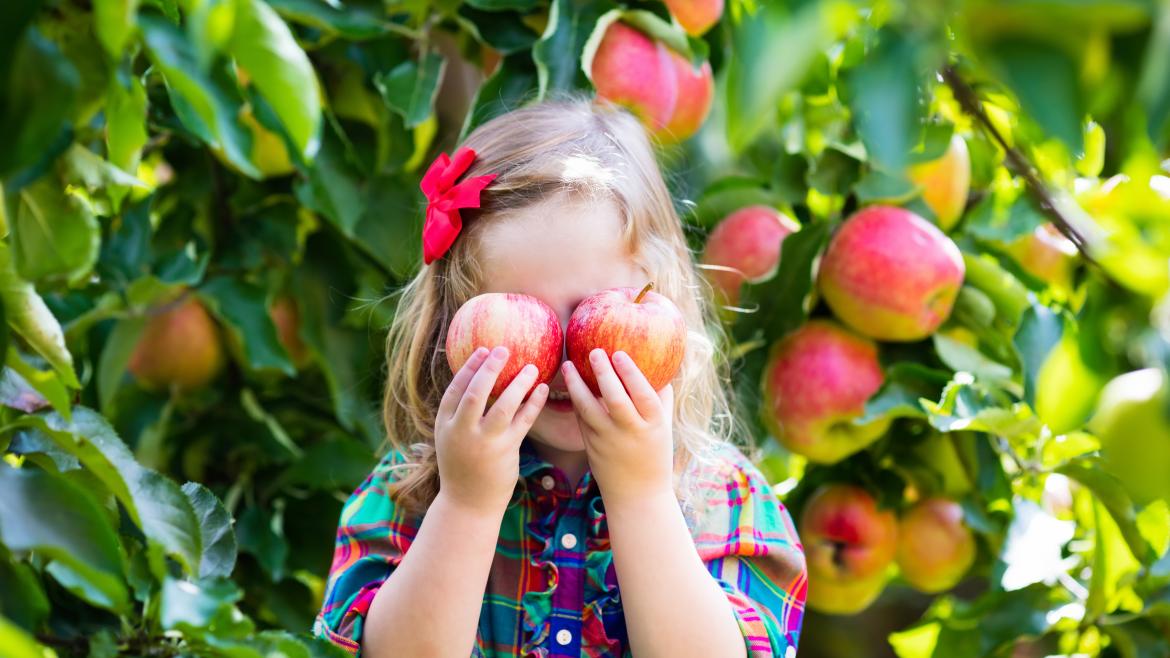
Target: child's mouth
(558, 400)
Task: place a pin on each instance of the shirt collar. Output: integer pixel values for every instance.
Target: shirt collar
(533, 468)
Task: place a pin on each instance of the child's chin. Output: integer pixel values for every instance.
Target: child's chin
(558, 430)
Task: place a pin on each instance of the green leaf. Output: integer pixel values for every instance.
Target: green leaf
(215, 527)
(55, 235)
(1040, 331)
(772, 51)
(331, 465)
(1109, 491)
(264, 46)
(504, 31)
(411, 87)
(905, 384)
(1045, 79)
(28, 316)
(962, 357)
(1154, 86)
(154, 503)
(1010, 296)
(125, 112)
(884, 99)
(262, 535)
(22, 599)
(500, 5)
(54, 517)
(19, 644)
(350, 21)
(877, 186)
(37, 103)
(782, 298)
(243, 308)
(513, 83)
(206, 104)
(989, 222)
(203, 608)
(334, 188)
(45, 382)
(115, 357)
(113, 23)
(558, 52)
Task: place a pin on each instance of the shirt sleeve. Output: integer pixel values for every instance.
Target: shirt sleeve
(748, 541)
(372, 537)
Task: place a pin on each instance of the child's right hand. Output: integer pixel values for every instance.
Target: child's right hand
(478, 453)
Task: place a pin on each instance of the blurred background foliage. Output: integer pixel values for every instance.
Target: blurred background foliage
(208, 205)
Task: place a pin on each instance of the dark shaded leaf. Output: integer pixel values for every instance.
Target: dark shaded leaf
(215, 527)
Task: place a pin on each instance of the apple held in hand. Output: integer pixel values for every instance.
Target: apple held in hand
(890, 274)
(849, 545)
(641, 323)
(816, 382)
(523, 324)
(935, 548)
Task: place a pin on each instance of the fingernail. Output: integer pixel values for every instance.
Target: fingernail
(597, 355)
(530, 369)
(620, 356)
(500, 352)
(479, 351)
(566, 367)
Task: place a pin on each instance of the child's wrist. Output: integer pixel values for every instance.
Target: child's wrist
(469, 511)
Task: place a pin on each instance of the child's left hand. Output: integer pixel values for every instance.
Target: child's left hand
(629, 438)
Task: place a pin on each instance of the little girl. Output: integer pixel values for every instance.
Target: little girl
(563, 524)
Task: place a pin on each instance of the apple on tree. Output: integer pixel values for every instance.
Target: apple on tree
(890, 274)
(695, 16)
(1134, 429)
(528, 327)
(849, 544)
(747, 242)
(935, 547)
(696, 91)
(815, 384)
(180, 348)
(945, 182)
(644, 324)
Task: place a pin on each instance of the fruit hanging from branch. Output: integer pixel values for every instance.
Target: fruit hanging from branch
(815, 384)
(528, 327)
(935, 547)
(849, 544)
(180, 348)
(890, 274)
(695, 16)
(640, 322)
(747, 242)
(945, 182)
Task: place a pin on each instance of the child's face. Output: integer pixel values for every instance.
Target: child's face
(560, 251)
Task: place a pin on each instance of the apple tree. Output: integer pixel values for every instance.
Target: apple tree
(938, 234)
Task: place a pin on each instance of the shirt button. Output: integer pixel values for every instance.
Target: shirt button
(548, 482)
(564, 637)
(569, 541)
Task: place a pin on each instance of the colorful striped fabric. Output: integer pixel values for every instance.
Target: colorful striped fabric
(552, 591)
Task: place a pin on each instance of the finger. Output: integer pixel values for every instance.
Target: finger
(530, 410)
(459, 382)
(666, 398)
(643, 395)
(616, 399)
(588, 407)
(504, 408)
(476, 397)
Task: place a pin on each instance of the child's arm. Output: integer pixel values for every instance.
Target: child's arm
(430, 605)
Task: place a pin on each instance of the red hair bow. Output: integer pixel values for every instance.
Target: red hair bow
(444, 199)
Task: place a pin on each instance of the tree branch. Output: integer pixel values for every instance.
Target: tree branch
(1018, 163)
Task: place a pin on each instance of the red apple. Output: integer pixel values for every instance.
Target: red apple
(696, 90)
(890, 274)
(816, 382)
(945, 182)
(641, 323)
(523, 324)
(631, 69)
(287, 317)
(695, 16)
(935, 548)
(748, 241)
(849, 544)
(179, 348)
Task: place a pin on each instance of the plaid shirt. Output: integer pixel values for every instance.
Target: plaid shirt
(552, 591)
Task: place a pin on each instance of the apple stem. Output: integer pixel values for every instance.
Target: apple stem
(642, 294)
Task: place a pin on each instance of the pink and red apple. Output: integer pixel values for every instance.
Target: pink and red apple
(815, 384)
(748, 242)
(890, 274)
(935, 547)
(945, 182)
(695, 16)
(179, 348)
(696, 90)
(633, 70)
(644, 324)
(849, 544)
(528, 327)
